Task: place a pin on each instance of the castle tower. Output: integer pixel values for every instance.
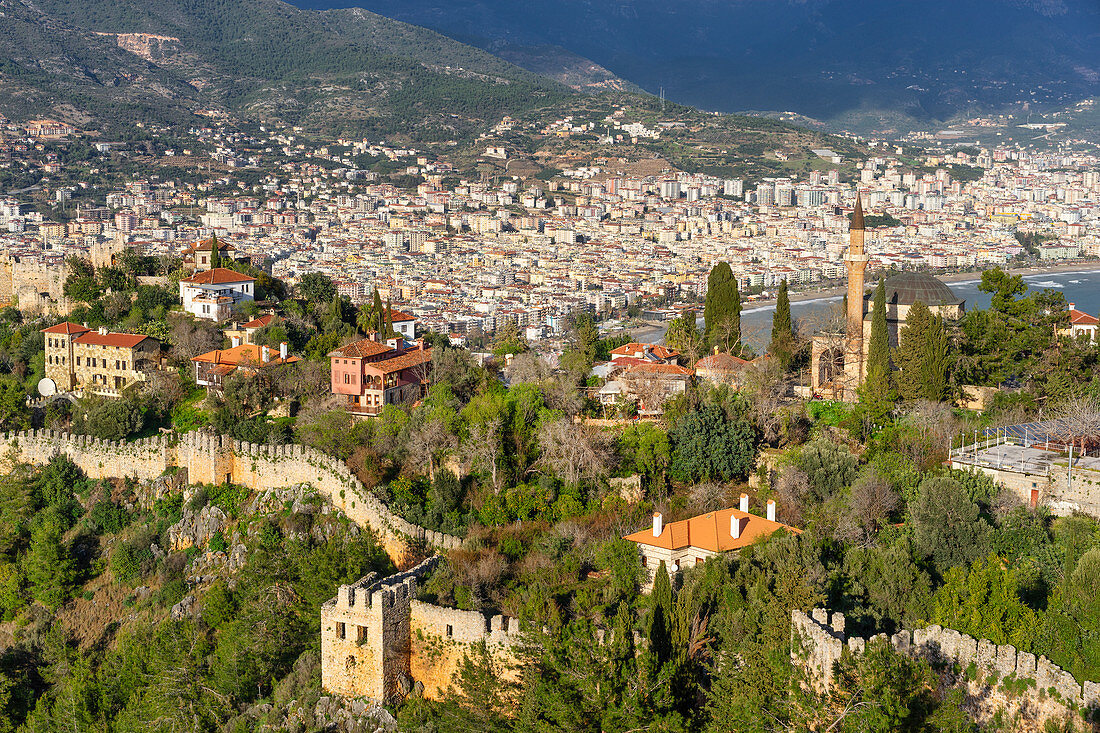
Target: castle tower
(856, 262)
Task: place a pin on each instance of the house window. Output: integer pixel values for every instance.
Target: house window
(339, 629)
(347, 379)
(78, 361)
(450, 631)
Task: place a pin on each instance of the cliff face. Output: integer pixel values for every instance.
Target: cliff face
(148, 46)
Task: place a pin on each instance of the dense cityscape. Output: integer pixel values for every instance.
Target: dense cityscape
(358, 375)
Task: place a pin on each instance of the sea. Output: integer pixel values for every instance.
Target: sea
(1080, 288)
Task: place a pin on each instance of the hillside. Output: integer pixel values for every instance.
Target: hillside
(841, 60)
(262, 60)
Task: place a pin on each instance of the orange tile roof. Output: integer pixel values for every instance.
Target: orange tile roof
(259, 322)
(123, 340)
(408, 360)
(217, 276)
(661, 352)
(720, 361)
(66, 328)
(244, 355)
(398, 316)
(1080, 318)
(710, 531)
(363, 348)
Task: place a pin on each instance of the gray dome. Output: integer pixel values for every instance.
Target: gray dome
(909, 287)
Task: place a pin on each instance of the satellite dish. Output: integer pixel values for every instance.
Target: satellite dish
(47, 387)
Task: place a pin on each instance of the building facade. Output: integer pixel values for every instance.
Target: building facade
(213, 293)
(79, 359)
(371, 374)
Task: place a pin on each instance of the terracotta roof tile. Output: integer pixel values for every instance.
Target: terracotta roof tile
(218, 276)
(710, 531)
(66, 327)
(363, 348)
(123, 340)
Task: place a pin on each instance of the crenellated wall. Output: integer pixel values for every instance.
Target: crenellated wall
(215, 459)
(818, 640)
(377, 641)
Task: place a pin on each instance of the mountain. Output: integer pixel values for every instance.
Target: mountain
(92, 62)
(829, 59)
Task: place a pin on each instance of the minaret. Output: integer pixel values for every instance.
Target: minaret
(856, 261)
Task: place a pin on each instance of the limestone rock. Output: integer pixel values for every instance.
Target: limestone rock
(184, 609)
(196, 530)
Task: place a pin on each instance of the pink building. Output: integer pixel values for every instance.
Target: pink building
(372, 374)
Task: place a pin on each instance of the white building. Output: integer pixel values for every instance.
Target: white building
(211, 294)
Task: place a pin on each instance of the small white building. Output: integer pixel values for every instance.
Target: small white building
(211, 294)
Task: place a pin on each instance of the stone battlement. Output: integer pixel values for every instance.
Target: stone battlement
(215, 459)
(378, 641)
(818, 640)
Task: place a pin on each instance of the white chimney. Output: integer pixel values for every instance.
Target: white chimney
(744, 506)
(658, 524)
(771, 510)
(236, 340)
(1070, 305)
(735, 526)
(282, 351)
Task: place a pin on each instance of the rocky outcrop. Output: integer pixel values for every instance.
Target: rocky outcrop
(196, 529)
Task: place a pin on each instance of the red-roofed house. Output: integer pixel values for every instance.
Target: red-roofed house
(213, 367)
(689, 542)
(79, 359)
(721, 368)
(1081, 324)
(646, 352)
(211, 294)
(372, 374)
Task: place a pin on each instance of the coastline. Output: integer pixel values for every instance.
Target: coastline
(802, 296)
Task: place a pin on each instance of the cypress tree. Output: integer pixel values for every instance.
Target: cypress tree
(909, 356)
(722, 312)
(389, 319)
(376, 312)
(875, 394)
(936, 361)
(782, 328)
(659, 626)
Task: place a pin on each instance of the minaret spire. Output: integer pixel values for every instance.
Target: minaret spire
(856, 262)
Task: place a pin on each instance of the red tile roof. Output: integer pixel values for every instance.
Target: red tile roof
(217, 276)
(66, 328)
(400, 316)
(244, 355)
(363, 348)
(123, 340)
(660, 352)
(710, 531)
(408, 360)
(1080, 318)
(259, 322)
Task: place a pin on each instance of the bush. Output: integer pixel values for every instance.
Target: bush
(107, 517)
(108, 419)
(710, 446)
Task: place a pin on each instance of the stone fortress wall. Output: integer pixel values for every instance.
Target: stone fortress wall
(378, 641)
(387, 641)
(818, 640)
(215, 459)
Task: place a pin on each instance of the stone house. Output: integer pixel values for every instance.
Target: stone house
(1081, 324)
(79, 359)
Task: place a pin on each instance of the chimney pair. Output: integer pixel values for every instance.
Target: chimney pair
(737, 524)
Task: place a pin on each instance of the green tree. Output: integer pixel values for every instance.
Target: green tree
(317, 287)
(50, 567)
(936, 362)
(708, 445)
(909, 355)
(684, 336)
(947, 525)
(722, 311)
(13, 404)
(782, 343)
(876, 394)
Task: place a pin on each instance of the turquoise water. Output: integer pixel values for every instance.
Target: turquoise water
(1080, 288)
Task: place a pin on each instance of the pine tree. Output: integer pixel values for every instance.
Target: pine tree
(722, 312)
(909, 355)
(936, 361)
(782, 343)
(876, 395)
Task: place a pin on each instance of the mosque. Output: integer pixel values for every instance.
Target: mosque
(839, 356)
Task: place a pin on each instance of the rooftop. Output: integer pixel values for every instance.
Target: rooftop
(217, 276)
(710, 531)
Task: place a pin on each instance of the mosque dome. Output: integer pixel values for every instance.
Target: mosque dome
(909, 287)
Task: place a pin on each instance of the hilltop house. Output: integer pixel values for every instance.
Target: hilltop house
(689, 542)
(1081, 324)
(213, 367)
(213, 293)
(372, 374)
(721, 368)
(79, 359)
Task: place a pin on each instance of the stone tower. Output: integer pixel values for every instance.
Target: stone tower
(856, 262)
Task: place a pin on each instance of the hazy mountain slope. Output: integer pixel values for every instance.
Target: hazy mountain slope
(262, 59)
(826, 58)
